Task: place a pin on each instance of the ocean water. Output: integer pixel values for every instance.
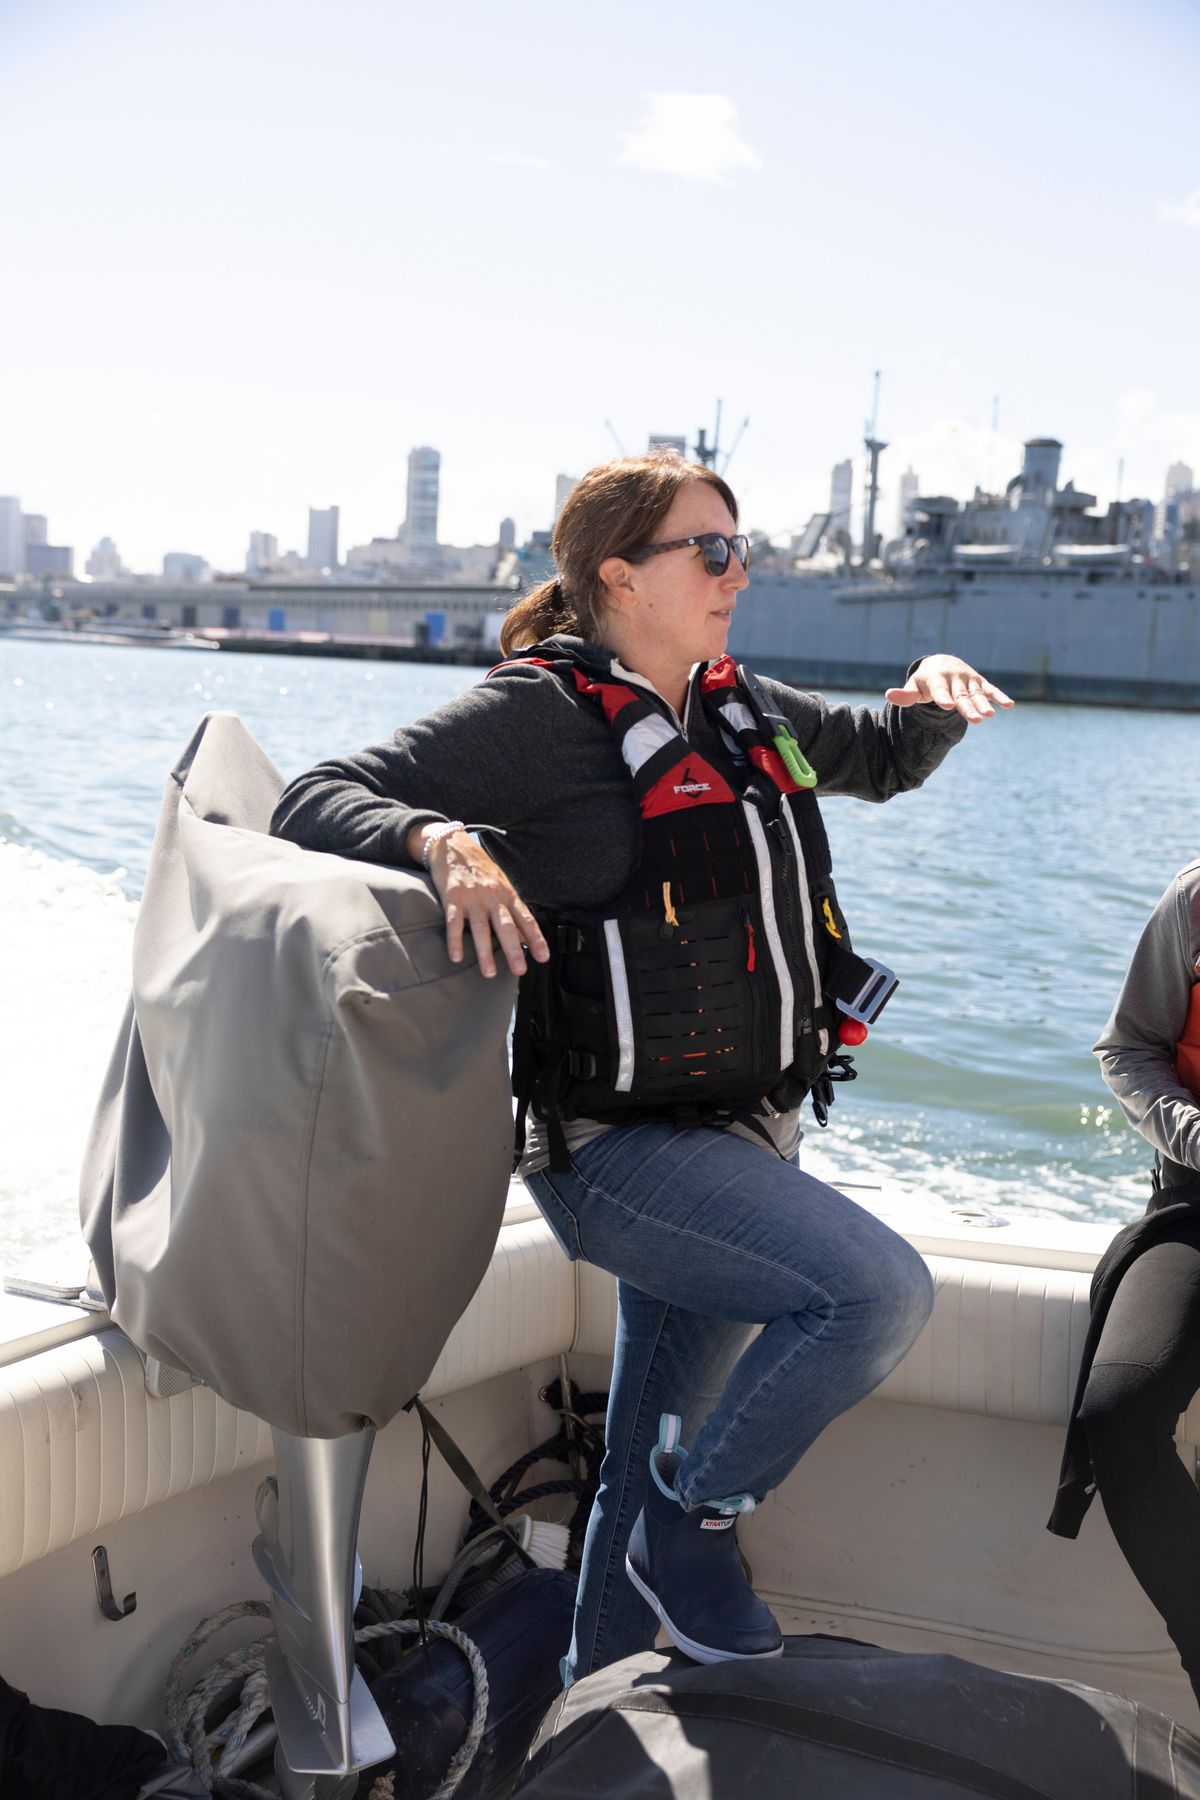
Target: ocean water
(1007, 894)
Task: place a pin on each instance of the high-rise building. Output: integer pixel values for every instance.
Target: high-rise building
(36, 528)
(179, 565)
(910, 487)
(562, 487)
(1167, 515)
(12, 536)
(263, 552)
(508, 535)
(49, 559)
(841, 495)
(323, 535)
(104, 564)
(421, 516)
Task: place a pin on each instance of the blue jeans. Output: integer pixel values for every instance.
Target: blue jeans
(710, 1235)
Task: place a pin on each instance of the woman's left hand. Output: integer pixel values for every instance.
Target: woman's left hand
(949, 682)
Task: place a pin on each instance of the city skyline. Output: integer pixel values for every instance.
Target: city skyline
(417, 552)
(547, 248)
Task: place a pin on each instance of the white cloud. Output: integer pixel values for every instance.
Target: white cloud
(1136, 408)
(1182, 212)
(951, 456)
(1148, 437)
(692, 135)
(515, 159)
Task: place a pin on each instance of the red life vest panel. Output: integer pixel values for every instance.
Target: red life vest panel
(1187, 1051)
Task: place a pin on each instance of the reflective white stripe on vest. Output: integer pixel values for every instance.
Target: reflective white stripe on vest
(620, 988)
(766, 890)
(810, 949)
(646, 738)
(739, 716)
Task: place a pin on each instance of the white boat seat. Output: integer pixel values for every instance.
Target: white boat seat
(82, 1443)
(1004, 1340)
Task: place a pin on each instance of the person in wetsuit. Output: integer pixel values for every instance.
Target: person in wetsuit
(1142, 1359)
(607, 711)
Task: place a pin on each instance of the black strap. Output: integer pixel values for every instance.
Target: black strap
(857, 1737)
(820, 1096)
(520, 1132)
(456, 1461)
(845, 972)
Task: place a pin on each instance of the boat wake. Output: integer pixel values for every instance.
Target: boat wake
(65, 937)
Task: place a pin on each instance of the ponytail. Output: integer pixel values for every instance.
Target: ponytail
(542, 612)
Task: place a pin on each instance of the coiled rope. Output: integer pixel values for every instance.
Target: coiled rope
(192, 1743)
(579, 1444)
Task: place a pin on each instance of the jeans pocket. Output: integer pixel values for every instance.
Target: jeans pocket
(557, 1215)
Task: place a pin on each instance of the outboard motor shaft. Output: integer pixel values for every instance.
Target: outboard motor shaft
(306, 1551)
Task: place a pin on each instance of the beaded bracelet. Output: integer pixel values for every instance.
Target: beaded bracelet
(436, 835)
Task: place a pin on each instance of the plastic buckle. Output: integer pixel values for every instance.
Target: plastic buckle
(569, 939)
(582, 1065)
(874, 994)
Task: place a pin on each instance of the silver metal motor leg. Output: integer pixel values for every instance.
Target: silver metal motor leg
(306, 1552)
(312, 1787)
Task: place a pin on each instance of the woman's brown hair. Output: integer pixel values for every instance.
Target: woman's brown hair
(612, 511)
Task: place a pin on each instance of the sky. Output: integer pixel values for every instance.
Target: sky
(251, 252)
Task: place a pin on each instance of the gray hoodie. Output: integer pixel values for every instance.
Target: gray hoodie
(1137, 1046)
(520, 753)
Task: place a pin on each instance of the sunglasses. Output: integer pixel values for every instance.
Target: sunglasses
(714, 547)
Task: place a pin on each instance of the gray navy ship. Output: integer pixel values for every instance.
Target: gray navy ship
(1054, 599)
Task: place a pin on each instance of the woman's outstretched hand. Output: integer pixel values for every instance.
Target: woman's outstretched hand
(952, 684)
(476, 892)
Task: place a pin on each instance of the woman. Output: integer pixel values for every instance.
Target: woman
(1141, 1361)
(663, 864)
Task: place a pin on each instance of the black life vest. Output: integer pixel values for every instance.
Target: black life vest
(706, 986)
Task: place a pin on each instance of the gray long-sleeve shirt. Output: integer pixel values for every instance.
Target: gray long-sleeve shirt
(520, 753)
(1137, 1046)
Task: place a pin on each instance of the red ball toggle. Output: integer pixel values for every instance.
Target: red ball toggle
(852, 1031)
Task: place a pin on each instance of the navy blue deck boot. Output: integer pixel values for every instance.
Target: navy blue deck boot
(686, 1566)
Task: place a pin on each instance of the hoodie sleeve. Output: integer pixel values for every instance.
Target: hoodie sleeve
(869, 755)
(484, 758)
(1137, 1046)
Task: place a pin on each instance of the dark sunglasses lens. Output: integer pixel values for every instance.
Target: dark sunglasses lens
(741, 549)
(716, 553)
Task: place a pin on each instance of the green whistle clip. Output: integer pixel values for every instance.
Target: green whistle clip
(795, 761)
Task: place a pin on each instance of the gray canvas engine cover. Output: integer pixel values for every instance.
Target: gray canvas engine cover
(298, 1166)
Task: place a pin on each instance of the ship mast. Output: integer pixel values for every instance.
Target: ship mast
(873, 448)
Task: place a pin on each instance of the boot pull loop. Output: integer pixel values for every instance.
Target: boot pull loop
(670, 1428)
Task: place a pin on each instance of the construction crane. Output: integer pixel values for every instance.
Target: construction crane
(706, 453)
(710, 454)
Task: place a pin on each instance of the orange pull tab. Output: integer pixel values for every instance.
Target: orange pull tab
(668, 906)
(749, 948)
